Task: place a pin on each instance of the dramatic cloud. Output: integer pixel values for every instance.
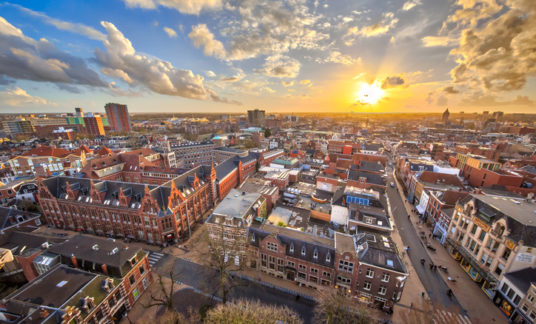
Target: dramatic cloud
(410, 5)
(18, 97)
(271, 27)
(157, 75)
(339, 58)
(500, 55)
(22, 57)
(387, 22)
(439, 41)
(193, 7)
(391, 82)
(63, 25)
(170, 32)
(450, 90)
(203, 37)
(281, 67)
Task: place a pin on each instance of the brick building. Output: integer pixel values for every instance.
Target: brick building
(365, 265)
(118, 117)
(152, 213)
(94, 125)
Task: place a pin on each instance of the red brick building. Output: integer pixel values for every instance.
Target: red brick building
(94, 125)
(118, 117)
(366, 265)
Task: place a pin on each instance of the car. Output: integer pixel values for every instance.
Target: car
(392, 184)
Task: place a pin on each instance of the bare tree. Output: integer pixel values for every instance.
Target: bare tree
(226, 254)
(245, 311)
(334, 306)
(164, 296)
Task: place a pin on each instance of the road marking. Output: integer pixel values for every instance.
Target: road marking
(443, 317)
(154, 257)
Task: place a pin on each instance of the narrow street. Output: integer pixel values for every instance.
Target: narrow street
(435, 286)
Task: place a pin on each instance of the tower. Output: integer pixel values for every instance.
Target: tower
(445, 117)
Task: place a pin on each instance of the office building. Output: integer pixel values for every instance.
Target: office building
(256, 117)
(118, 117)
(94, 125)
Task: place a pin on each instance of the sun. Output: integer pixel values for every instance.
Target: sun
(369, 94)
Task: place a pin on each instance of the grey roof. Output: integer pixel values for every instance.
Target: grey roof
(298, 241)
(371, 166)
(378, 249)
(48, 289)
(371, 177)
(520, 215)
(108, 251)
(11, 216)
(237, 204)
(522, 279)
(226, 167)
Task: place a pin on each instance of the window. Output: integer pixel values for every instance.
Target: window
(504, 288)
(313, 270)
(370, 273)
(315, 254)
(346, 266)
(343, 280)
(302, 267)
(499, 269)
(495, 247)
(525, 308)
(484, 258)
(301, 275)
(489, 261)
(473, 229)
(303, 250)
(506, 254)
(386, 277)
(511, 293)
(530, 298)
(118, 295)
(328, 257)
(132, 279)
(366, 285)
(142, 270)
(532, 315)
(291, 248)
(382, 290)
(516, 300)
(482, 235)
(313, 279)
(111, 302)
(290, 264)
(326, 274)
(271, 246)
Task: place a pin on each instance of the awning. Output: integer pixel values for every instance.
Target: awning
(420, 209)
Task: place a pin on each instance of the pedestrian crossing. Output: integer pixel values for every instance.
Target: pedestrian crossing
(444, 317)
(154, 257)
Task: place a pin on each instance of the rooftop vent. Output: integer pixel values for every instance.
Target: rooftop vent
(95, 247)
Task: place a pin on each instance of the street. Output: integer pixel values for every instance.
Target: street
(435, 286)
(205, 279)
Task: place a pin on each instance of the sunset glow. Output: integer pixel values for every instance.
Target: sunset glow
(369, 94)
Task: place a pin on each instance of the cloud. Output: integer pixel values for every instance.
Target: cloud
(435, 99)
(386, 22)
(62, 25)
(152, 73)
(496, 49)
(287, 83)
(491, 100)
(339, 58)
(306, 82)
(272, 27)
(203, 37)
(192, 7)
(450, 90)
(170, 32)
(210, 74)
(408, 5)
(22, 57)
(392, 81)
(281, 66)
(439, 41)
(16, 97)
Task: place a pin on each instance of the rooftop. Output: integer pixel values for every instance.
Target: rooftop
(236, 204)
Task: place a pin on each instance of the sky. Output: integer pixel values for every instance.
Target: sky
(291, 56)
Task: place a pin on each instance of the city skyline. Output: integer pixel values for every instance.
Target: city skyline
(212, 56)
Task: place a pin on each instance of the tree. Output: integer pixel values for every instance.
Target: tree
(164, 297)
(267, 132)
(245, 311)
(225, 255)
(334, 306)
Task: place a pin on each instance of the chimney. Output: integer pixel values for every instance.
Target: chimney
(104, 269)
(74, 261)
(43, 313)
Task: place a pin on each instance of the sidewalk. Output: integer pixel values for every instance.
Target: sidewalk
(412, 294)
(478, 306)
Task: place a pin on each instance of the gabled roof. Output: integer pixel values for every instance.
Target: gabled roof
(47, 151)
(522, 279)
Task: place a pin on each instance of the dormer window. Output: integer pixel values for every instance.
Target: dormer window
(303, 250)
(328, 257)
(291, 248)
(315, 254)
(253, 237)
